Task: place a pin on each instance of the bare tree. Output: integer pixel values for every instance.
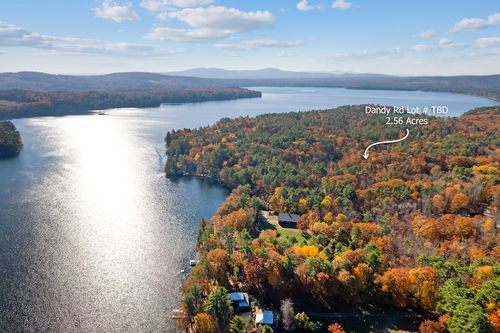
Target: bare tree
(287, 314)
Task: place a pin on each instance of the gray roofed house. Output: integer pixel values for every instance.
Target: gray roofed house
(288, 220)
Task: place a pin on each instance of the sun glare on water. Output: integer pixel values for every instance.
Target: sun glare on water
(111, 204)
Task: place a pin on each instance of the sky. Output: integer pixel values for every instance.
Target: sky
(411, 37)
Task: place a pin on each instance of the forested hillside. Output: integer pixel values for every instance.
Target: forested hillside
(33, 94)
(478, 85)
(10, 140)
(415, 226)
(37, 81)
(26, 103)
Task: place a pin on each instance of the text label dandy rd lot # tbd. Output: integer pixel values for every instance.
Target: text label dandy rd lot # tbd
(398, 111)
(435, 110)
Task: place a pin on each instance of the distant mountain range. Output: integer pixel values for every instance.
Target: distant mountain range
(479, 85)
(265, 73)
(199, 78)
(109, 82)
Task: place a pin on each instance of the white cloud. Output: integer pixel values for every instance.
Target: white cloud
(444, 41)
(223, 18)
(286, 53)
(367, 54)
(341, 4)
(422, 47)
(13, 36)
(476, 23)
(485, 42)
(428, 33)
(256, 43)
(113, 11)
(208, 23)
(186, 35)
(442, 45)
(103, 47)
(304, 6)
(162, 5)
(162, 16)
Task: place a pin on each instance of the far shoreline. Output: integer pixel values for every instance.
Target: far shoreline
(102, 111)
(65, 103)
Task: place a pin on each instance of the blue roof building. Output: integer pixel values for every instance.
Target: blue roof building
(240, 301)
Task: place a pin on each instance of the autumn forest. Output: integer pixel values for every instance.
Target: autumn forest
(413, 227)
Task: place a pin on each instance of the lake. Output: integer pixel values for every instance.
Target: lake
(93, 237)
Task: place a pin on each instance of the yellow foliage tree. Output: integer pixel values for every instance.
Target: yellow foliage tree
(362, 273)
(318, 227)
(327, 202)
(328, 217)
(302, 205)
(494, 318)
(309, 251)
(341, 218)
(466, 226)
(204, 323)
(489, 225)
(438, 202)
(485, 272)
(276, 201)
(459, 201)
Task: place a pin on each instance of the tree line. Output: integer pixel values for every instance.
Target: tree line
(27, 103)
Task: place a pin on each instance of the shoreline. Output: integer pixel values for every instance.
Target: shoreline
(492, 98)
(68, 103)
(98, 110)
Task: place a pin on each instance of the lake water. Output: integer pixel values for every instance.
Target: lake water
(92, 235)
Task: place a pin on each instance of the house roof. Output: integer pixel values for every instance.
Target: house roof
(264, 318)
(285, 217)
(240, 298)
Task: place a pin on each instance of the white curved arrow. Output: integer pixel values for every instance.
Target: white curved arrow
(365, 155)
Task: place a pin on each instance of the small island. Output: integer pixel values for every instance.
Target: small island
(10, 140)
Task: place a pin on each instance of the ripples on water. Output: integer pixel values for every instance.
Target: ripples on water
(92, 235)
(96, 235)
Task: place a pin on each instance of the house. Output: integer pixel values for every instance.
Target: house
(288, 220)
(264, 318)
(240, 301)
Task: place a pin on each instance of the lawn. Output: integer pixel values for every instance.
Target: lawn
(273, 220)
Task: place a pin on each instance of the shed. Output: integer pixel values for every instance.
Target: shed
(264, 318)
